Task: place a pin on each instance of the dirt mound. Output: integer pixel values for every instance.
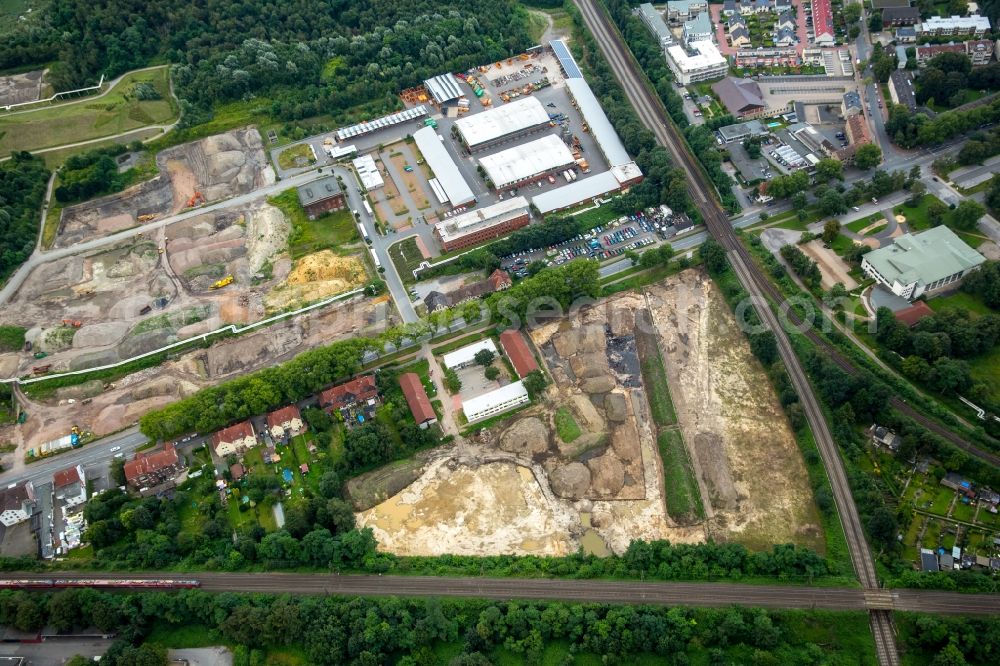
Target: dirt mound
(589, 338)
(94, 359)
(80, 391)
(570, 481)
(526, 437)
(218, 166)
(589, 364)
(145, 342)
(317, 276)
(598, 385)
(99, 335)
(590, 419)
(607, 475)
(99, 217)
(615, 408)
(267, 235)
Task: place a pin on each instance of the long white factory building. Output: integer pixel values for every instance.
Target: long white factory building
(527, 162)
(449, 184)
(500, 123)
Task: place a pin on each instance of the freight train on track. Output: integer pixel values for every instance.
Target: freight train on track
(103, 583)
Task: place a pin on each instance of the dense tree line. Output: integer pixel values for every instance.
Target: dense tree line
(22, 186)
(979, 147)
(949, 77)
(911, 130)
(94, 173)
(363, 631)
(804, 267)
(985, 283)
(308, 57)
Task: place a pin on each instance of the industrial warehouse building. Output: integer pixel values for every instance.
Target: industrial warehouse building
(483, 224)
(448, 184)
(443, 88)
(528, 162)
(495, 402)
(466, 356)
(368, 172)
(604, 133)
(321, 196)
(916, 264)
(361, 129)
(502, 123)
(585, 189)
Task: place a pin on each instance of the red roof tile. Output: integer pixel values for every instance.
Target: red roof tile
(518, 352)
(146, 463)
(359, 389)
(65, 477)
(416, 397)
(233, 433)
(284, 415)
(914, 313)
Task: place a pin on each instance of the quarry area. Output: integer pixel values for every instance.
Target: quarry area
(191, 174)
(524, 486)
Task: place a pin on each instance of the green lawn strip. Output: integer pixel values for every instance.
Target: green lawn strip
(566, 425)
(116, 112)
(682, 494)
(877, 229)
(916, 216)
(841, 244)
(331, 231)
(654, 379)
(462, 342)
(960, 300)
(406, 256)
(857, 225)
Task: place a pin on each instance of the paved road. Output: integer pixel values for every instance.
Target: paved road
(95, 455)
(595, 591)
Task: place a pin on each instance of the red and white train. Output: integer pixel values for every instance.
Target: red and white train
(103, 583)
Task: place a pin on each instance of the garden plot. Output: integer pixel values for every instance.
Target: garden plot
(215, 167)
(753, 480)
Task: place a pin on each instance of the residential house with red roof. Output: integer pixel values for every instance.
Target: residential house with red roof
(234, 439)
(285, 422)
(149, 469)
(70, 486)
(517, 350)
(417, 400)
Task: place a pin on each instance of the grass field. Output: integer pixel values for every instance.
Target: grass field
(331, 231)
(916, 217)
(11, 338)
(566, 425)
(90, 118)
(680, 488)
(299, 155)
(960, 300)
(10, 10)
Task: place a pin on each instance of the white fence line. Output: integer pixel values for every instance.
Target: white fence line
(232, 328)
(100, 84)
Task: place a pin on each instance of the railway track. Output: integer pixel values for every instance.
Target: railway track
(653, 115)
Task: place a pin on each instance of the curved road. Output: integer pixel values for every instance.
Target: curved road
(586, 591)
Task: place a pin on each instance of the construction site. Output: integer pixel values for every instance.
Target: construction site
(191, 174)
(580, 466)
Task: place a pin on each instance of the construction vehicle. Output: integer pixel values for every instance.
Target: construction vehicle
(41, 369)
(147, 217)
(40, 354)
(75, 323)
(499, 66)
(327, 141)
(196, 199)
(524, 56)
(224, 282)
(585, 127)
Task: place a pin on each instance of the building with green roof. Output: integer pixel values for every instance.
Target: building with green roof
(917, 264)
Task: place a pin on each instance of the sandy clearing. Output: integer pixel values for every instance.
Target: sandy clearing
(732, 422)
(831, 267)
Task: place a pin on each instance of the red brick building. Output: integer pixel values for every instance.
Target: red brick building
(321, 196)
(146, 470)
(357, 391)
(483, 224)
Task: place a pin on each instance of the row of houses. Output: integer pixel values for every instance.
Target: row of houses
(784, 34)
(935, 26)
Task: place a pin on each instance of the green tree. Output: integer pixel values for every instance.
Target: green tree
(966, 215)
(534, 383)
(868, 156)
(484, 357)
(936, 212)
(829, 169)
(492, 372)
(713, 256)
(832, 203)
(875, 22)
(831, 229)
(851, 13)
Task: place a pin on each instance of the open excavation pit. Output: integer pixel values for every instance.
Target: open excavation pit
(519, 487)
(215, 167)
(107, 408)
(753, 480)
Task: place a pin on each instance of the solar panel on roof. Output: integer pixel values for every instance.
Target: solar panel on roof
(566, 59)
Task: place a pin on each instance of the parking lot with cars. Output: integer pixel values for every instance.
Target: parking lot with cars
(603, 242)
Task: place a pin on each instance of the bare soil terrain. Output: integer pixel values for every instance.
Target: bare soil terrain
(753, 479)
(106, 408)
(832, 268)
(217, 167)
(20, 88)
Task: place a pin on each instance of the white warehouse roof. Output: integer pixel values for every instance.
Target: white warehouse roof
(576, 192)
(385, 121)
(481, 218)
(443, 88)
(495, 402)
(522, 162)
(467, 354)
(604, 133)
(445, 170)
(368, 172)
(500, 121)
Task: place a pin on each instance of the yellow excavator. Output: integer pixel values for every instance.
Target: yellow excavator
(224, 282)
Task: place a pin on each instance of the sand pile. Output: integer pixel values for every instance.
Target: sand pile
(316, 276)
